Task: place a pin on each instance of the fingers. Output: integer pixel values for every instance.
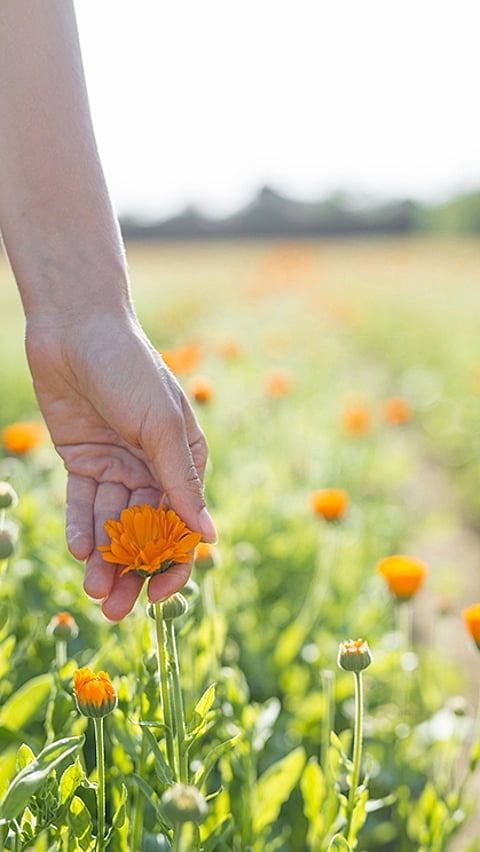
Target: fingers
(123, 595)
(110, 499)
(163, 585)
(81, 491)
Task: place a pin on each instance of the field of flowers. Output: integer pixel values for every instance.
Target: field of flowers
(315, 687)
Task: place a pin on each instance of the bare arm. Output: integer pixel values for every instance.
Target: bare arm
(118, 418)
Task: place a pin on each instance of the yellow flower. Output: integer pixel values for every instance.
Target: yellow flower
(22, 437)
(201, 389)
(148, 541)
(95, 693)
(329, 503)
(471, 619)
(403, 575)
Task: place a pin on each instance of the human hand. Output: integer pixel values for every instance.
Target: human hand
(127, 435)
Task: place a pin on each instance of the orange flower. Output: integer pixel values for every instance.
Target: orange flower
(329, 503)
(356, 420)
(22, 437)
(148, 541)
(229, 348)
(95, 693)
(201, 389)
(396, 411)
(403, 575)
(183, 359)
(278, 383)
(471, 619)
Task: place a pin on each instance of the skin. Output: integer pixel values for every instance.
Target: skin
(117, 416)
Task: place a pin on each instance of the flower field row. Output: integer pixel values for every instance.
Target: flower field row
(289, 699)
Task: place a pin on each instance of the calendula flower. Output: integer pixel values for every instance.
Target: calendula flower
(95, 693)
(354, 655)
(148, 541)
(356, 420)
(278, 383)
(201, 389)
(396, 411)
(471, 619)
(403, 574)
(22, 437)
(183, 359)
(329, 503)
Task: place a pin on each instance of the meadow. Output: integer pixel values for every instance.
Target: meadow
(338, 384)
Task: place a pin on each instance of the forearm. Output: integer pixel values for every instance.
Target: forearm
(56, 218)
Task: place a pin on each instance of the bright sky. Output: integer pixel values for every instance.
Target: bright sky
(204, 101)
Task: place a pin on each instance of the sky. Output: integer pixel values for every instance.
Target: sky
(204, 101)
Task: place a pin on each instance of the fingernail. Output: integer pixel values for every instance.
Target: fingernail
(207, 527)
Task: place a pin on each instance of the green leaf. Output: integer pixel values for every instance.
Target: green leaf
(162, 769)
(274, 788)
(120, 815)
(25, 756)
(27, 703)
(198, 721)
(70, 780)
(314, 790)
(29, 779)
(211, 758)
(80, 822)
(220, 833)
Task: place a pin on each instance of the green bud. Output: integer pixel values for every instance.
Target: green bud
(174, 607)
(354, 655)
(63, 626)
(7, 544)
(184, 803)
(8, 497)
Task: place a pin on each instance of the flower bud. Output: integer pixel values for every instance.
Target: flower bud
(184, 803)
(95, 693)
(8, 497)
(354, 655)
(63, 626)
(174, 607)
(206, 556)
(7, 544)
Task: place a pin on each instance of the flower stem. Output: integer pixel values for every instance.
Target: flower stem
(178, 705)
(100, 748)
(60, 653)
(164, 687)
(328, 679)
(357, 750)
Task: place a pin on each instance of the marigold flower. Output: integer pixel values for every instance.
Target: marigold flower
(329, 503)
(354, 655)
(396, 411)
(229, 348)
(471, 619)
(95, 693)
(278, 383)
(22, 437)
(356, 420)
(403, 574)
(148, 541)
(183, 359)
(63, 626)
(201, 389)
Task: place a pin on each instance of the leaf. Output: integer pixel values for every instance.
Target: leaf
(70, 780)
(25, 756)
(274, 788)
(211, 758)
(198, 721)
(80, 822)
(27, 703)
(29, 779)
(120, 815)
(219, 833)
(313, 789)
(162, 769)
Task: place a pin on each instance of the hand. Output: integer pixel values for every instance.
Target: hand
(127, 435)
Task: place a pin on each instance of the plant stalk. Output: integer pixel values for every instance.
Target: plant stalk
(100, 750)
(357, 750)
(164, 687)
(179, 712)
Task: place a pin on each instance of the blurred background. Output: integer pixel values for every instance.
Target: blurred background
(307, 117)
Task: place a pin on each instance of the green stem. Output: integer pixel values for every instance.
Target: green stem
(100, 845)
(357, 750)
(137, 829)
(209, 612)
(178, 705)
(164, 687)
(60, 653)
